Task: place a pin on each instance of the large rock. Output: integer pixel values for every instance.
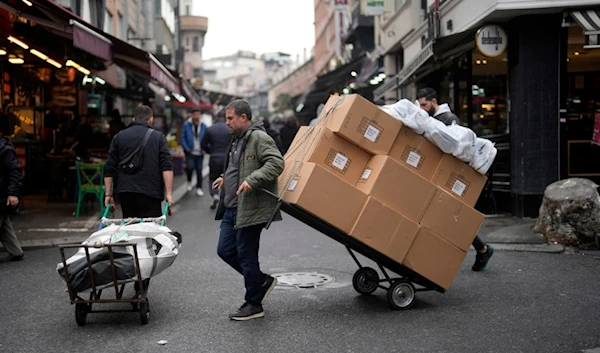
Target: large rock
(570, 212)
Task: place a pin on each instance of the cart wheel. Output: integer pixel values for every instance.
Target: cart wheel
(145, 312)
(365, 280)
(81, 311)
(401, 294)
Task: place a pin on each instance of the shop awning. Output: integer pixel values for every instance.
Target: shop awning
(589, 20)
(392, 83)
(189, 92)
(162, 75)
(85, 36)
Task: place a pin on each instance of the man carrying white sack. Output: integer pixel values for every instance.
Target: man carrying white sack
(427, 98)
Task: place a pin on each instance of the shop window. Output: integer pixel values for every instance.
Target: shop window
(489, 89)
(583, 106)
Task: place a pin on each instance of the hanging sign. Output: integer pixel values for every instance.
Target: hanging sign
(374, 8)
(491, 40)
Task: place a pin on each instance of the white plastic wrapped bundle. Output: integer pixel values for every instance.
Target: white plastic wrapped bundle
(412, 116)
(455, 139)
(157, 248)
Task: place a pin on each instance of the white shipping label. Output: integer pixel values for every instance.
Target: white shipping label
(292, 185)
(340, 161)
(413, 159)
(366, 174)
(459, 188)
(372, 133)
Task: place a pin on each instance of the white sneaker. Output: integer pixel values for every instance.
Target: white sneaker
(199, 192)
(190, 187)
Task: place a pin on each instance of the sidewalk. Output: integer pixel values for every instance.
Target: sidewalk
(41, 224)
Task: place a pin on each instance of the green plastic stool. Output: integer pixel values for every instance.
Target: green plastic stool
(90, 180)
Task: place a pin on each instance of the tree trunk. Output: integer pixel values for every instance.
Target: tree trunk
(570, 212)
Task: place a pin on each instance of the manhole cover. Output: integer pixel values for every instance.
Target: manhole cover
(303, 279)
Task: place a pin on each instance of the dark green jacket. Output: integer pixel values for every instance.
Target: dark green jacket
(261, 164)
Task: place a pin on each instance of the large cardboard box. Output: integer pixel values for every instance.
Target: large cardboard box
(416, 152)
(434, 258)
(459, 179)
(398, 187)
(323, 194)
(363, 123)
(303, 135)
(384, 230)
(452, 219)
(331, 151)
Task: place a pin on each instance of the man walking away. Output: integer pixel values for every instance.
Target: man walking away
(428, 101)
(252, 162)
(10, 189)
(141, 192)
(192, 133)
(215, 142)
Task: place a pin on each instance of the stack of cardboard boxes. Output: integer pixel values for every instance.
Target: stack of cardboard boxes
(364, 172)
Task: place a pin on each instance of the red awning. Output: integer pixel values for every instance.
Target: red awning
(90, 41)
(189, 92)
(161, 74)
(85, 36)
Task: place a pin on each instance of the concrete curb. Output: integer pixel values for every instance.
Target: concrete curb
(545, 248)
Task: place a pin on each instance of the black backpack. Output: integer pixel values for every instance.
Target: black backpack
(133, 163)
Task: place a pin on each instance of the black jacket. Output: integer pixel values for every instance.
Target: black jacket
(216, 140)
(447, 118)
(10, 171)
(157, 159)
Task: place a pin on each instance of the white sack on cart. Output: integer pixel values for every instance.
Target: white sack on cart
(157, 248)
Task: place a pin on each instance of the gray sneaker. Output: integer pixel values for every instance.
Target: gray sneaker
(247, 312)
(267, 287)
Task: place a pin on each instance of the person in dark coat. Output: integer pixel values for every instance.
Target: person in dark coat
(428, 100)
(288, 132)
(215, 142)
(10, 190)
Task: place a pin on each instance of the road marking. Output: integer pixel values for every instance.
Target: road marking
(593, 350)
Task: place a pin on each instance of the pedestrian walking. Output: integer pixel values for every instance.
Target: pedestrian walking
(427, 98)
(192, 133)
(252, 162)
(215, 142)
(10, 190)
(140, 164)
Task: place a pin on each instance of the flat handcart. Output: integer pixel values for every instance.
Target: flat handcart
(400, 289)
(114, 251)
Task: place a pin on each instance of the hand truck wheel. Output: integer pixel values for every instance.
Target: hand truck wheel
(401, 294)
(365, 281)
(81, 311)
(145, 311)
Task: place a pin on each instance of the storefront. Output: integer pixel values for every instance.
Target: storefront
(505, 80)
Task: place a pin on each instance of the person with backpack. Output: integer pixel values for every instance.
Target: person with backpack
(140, 168)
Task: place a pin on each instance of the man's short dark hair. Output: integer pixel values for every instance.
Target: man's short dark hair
(142, 112)
(196, 110)
(221, 115)
(428, 93)
(240, 107)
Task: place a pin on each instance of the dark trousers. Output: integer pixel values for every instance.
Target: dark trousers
(136, 205)
(478, 244)
(217, 167)
(239, 248)
(194, 163)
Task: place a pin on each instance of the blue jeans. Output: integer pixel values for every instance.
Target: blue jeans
(194, 163)
(239, 248)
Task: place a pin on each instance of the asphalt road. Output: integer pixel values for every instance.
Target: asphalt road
(524, 302)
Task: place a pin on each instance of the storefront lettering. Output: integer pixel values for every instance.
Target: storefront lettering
(491, 40)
